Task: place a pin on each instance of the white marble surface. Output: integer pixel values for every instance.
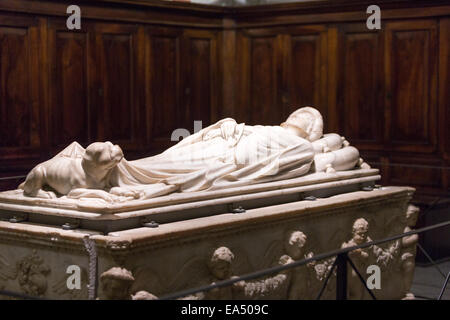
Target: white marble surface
(225, 155)
(15, 201)
(177, 255)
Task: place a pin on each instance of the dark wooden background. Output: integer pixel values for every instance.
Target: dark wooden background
(138, 70)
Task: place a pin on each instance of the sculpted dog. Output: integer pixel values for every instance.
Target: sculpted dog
(76, 176)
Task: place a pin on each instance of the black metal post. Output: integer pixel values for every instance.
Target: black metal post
(326, 280)
(361, 278)
(444, 286)
(341, 276)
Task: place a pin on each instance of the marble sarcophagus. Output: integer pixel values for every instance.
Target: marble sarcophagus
(88, 224)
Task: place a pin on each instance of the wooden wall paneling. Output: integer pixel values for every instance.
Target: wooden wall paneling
(411, 85)
(44, 89)
(333, 11)
(163, 13)
(70, 77)
(163, 94)
(139, 92)
(200, 83)
(305, 83)
(10, 181)
(265, 106)
(229, 71)
(141, 70)
(444, 97)
(115, 65)
(20, 86)
(385, 169)
(242, 77)
(422, 172)
(359, 86)
(332, 78)
(260, 63)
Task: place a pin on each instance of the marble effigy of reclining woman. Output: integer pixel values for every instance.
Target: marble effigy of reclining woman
(223, 155)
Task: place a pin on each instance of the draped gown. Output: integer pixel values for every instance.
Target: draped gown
(223, 155)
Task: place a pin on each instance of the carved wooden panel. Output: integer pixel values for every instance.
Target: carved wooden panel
(411, 80)
(444, 84)
(116, 111)
(199, 67)
(359, 99)
(19, 88)
(163, 108)
(70, 106)
(264, 102)
(304, 81)
(279, 70)
(259, 76)
(444, 96)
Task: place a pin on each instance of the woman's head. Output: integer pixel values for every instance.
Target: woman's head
(306, 122)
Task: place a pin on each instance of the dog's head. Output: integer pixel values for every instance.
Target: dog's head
(103, 155)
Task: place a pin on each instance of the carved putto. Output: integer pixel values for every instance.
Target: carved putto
(116, 285)
(408, 250)
(303, 282)
(364, 257)
(223, 155)
(294, 247)
(220, 266)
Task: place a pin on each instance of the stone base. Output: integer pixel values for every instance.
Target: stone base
(99, 215)
(34, 258)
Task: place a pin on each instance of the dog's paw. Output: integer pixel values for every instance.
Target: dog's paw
(111, 198)
(138, 194)
(133, 194)
(47, 195)
(121, 192)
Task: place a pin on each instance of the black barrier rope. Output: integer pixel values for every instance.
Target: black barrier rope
(12, 178)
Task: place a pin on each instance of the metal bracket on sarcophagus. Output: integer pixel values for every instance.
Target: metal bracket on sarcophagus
(71, 224)
(17, 217)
